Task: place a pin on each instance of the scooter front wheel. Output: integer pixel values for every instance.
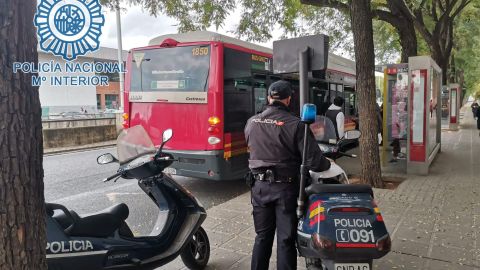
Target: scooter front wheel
(313, 264)
(197, 252)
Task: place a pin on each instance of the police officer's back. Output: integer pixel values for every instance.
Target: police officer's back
(275, 140)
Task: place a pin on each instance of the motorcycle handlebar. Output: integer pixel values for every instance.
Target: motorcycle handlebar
(111, 177)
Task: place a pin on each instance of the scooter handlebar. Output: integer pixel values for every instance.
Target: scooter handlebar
(111, 177)
(347, 155)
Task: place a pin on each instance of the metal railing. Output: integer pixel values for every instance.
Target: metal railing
(74, 121)
(76, 116)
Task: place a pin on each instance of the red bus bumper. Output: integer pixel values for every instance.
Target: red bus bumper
(208, 165)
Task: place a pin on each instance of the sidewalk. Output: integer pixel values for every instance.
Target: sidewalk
(434, 221)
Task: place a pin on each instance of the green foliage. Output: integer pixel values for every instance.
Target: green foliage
(191, 15)
(386, 42)
(258, 18)
(467, 47)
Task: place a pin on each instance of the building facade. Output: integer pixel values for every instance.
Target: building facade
(58, 99)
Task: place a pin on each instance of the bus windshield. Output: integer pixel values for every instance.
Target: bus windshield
(171, 69)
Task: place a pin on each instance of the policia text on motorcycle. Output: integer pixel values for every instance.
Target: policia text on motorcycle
(275, 139)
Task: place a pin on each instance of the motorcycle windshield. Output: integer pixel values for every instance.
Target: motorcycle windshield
(323, 130)
(133, 142)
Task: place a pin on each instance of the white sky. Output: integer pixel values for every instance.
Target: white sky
(138, 27)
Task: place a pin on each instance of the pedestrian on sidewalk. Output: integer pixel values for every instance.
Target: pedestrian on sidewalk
(475, 109)
(275, 140)
(478, 118)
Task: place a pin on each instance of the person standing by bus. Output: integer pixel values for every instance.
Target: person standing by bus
(335, 114)
(275, 140)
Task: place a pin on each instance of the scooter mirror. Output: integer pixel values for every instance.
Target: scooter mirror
(167, 135)
(352, 134)
(106, 158)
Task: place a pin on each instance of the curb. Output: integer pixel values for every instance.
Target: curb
(79, 148)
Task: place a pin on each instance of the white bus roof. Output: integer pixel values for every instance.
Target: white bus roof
(335, 62)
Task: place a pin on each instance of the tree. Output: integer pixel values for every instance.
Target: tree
(362, 28)
(466, 50)
(384, 11)
(22, 210)
(434, 20)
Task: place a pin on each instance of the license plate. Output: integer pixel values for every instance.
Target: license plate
(170, 170)
(352, 266)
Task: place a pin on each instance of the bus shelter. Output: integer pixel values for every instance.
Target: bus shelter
(424, 110)
(412, 113)
(454, 106)
(392, 83)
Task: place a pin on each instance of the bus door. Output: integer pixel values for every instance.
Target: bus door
(259, 92)
(350, 108)
(320, 97)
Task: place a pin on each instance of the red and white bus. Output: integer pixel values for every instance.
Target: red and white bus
(205, 86)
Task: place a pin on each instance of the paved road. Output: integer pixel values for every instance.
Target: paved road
(75, 180)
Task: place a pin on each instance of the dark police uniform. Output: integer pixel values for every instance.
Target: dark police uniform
(275, 140)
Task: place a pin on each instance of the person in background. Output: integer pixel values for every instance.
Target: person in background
(477, 114)
(335, 114)
(475, 109)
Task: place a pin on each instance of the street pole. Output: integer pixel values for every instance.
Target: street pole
(303, 75)
(303, 78)
(120, 52)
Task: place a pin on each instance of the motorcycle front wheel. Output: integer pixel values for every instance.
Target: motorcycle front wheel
(197, 252)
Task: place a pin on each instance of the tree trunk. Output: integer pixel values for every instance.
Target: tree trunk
(442, 62)
(362, 28)
(22, 208)
(408, 40)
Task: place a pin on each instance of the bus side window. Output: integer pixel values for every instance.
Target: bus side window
(238, 103)
(259, 93)
(350, 106)
(320, 97)
(295, 102)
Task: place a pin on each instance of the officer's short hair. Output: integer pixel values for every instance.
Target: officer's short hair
(338, 101)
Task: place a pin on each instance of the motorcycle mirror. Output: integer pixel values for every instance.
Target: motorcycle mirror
(167, 135)
(106, 158)
(352, 134)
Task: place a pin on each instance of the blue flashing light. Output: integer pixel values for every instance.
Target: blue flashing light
(309, 113)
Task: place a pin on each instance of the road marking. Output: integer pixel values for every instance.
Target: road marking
(95, 192)
(112, 196)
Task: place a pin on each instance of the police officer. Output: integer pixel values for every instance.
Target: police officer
(275, 139)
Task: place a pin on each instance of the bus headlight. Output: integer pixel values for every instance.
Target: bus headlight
(213, 140)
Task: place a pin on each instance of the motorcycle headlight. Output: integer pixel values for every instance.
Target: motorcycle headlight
(328, 148)
(324, 148)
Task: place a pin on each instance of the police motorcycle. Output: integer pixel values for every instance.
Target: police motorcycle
(104, 240)
(340, 226)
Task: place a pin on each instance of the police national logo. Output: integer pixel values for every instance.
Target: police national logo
(69, 28)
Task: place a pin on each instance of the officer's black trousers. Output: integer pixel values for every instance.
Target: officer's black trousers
(274, 206)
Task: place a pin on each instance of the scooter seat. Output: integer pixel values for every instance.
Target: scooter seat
(334, 188)
(101, 224)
